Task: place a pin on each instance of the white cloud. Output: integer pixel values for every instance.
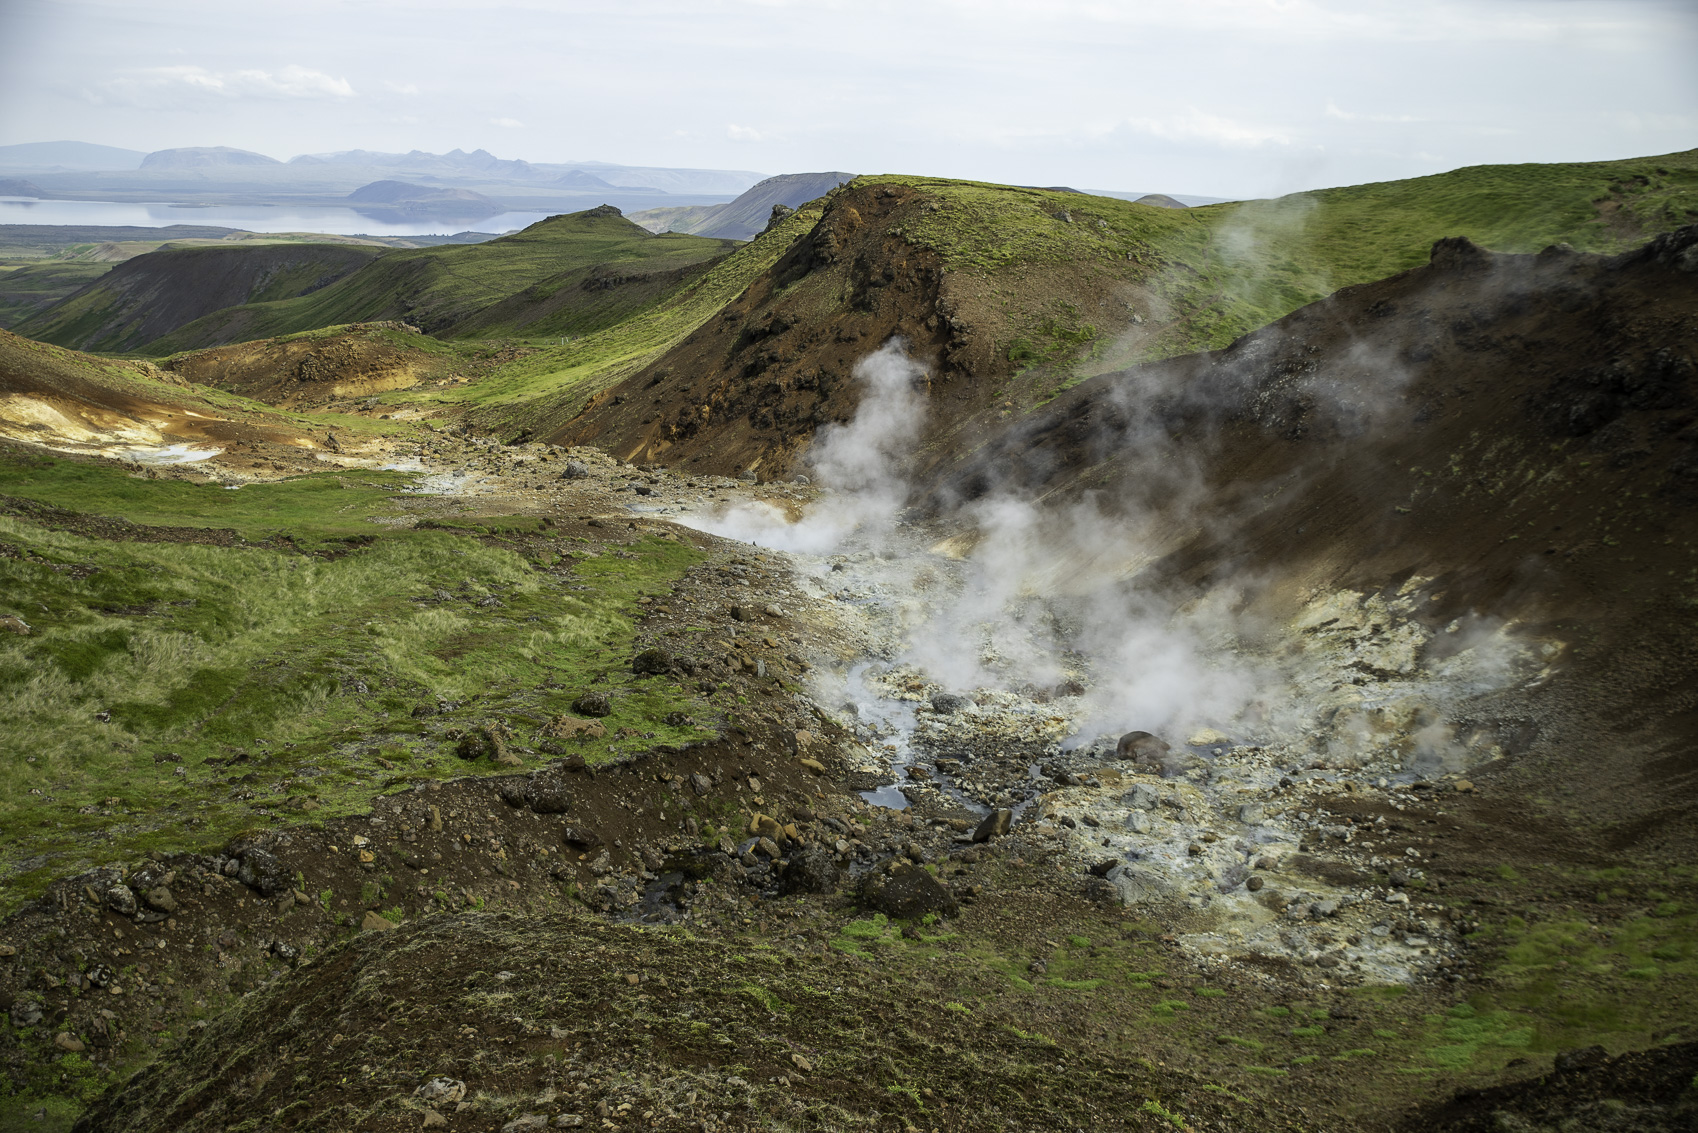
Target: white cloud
(743, 133)
(401, 88)
(1200, 126)
(1332, 111)
(507, 123)
(186, 84)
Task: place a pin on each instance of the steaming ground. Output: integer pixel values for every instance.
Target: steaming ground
(1008, 649)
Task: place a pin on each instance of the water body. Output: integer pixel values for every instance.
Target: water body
(252, 218)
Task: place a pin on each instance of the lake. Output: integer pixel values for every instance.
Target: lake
(253, 218)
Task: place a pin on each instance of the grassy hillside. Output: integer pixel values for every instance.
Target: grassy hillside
(440, 289)
(28, 289)
(280, 618)
(545, 388)
(1232, 267)
(747, 216)
(154, 294)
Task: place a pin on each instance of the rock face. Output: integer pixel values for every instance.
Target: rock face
(907, 893)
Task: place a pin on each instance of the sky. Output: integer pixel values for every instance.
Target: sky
(1227, 98)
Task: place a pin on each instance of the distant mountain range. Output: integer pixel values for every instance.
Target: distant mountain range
(77, 170)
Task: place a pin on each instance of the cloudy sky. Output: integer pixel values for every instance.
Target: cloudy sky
(1229, 98)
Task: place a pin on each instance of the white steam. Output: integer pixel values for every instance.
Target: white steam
(863, 465)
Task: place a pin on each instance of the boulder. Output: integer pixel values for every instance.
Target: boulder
(1136, 884)
(948, 703)
(374, 923)
(161, 898)
(994, 825)
(566, 727)
(764, 826)
(810, 869)
(652, 662)
(441, 1091)
(263, 871)
(546, 794)
(908, 893)
(593, 704)
(483, 743)
(1141, 747)
(580, 838)
(122, 900)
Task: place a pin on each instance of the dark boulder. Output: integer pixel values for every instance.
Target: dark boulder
(651, 662)
(580, 838)
(810, 869)
(593, 704)
(994, 825)
(263, 871)
(908, 893)
(546, 794)
(1141, 747)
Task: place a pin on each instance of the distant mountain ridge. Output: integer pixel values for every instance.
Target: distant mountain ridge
(748, 215)
(204, 157)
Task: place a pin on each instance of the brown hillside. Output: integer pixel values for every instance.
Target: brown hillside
(747, 389)
(71, 402)
(312, 370)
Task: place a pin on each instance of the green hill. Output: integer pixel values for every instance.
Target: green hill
(445, 290)
(150, 295)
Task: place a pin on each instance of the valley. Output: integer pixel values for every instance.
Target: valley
(968, 657)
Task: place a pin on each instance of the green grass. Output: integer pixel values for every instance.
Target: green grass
(318, 507)
(306, 667)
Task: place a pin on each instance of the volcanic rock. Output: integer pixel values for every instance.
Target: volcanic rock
(908, 893)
